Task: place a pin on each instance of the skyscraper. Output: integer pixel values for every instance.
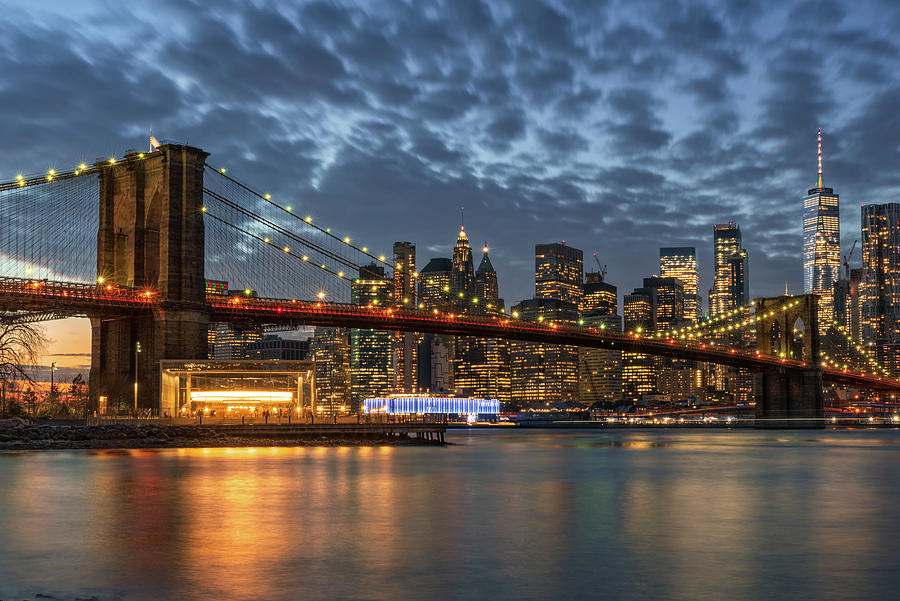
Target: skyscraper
(330, 352)
(681, 262)
(435, 356)
(821, 245)
(463, 285)
(880, 277)
(544, 372)
(487, 289)
(436, 284)
(371, 357)
(558, 272)
(482, 364)
(639, 370)
(405, 343)
(597, 297)
(599, 370)
(670, 301)
(730, 282)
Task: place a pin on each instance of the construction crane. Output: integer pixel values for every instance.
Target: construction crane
(847, 258)
(601, 267)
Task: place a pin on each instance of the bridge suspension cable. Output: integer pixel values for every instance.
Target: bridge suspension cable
(308, 221)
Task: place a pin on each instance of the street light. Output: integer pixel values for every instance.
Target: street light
(137, 352)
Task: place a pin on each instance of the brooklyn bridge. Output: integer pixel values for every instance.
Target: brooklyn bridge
(130, 243)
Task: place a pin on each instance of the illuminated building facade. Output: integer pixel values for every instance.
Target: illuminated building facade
(669, 302)
(848, 304)
(405, 345)
(233, 343)
(639, 370)
(681, 262)
(544, 372)
(371, 353)
(558, 272)
(436, 284)
(821, 245)
(730, 283)
(436, 352)
(236, 388)
(600, 370)
(880, 279)
(431, 405)
(330, 353)
(597, 297)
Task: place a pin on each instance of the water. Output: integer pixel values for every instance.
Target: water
(687, 514)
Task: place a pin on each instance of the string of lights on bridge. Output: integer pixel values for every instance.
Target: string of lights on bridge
(722, 323)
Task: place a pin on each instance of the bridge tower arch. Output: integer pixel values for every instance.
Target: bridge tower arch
(150, 236)
(789, 398)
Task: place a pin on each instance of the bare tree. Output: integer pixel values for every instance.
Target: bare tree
(22, 345)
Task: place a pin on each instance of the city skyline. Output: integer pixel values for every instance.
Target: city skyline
(610, 124)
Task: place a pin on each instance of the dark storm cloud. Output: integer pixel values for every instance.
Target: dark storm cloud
(617, 126)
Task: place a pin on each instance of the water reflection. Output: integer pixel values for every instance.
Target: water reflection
(510, 515)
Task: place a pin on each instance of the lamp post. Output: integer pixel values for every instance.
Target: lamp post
(137, 354)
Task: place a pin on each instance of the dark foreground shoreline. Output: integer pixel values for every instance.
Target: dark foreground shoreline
(20, 437)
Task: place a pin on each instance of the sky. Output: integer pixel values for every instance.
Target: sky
(617, 126)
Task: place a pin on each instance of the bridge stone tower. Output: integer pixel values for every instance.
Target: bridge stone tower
(150, 236)
(789, 398)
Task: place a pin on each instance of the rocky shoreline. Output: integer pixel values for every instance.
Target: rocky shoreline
(20, 436)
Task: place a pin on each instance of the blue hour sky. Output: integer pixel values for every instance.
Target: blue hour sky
(619, 126)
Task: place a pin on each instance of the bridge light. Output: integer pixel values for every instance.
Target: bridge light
(100, 278)
(287, 249)
(268, 197)
(340, 274)
(82, 166)
(202, 209)
(305, 258)
(112, 160)
(247, 291)
(321, 295)
(364, 249)
(19, 177)
(288, 208)
(347, 240)
(308, 219)
(266, 240)
(141, 155)
(381, 258)
(515, 314)
(222, 170)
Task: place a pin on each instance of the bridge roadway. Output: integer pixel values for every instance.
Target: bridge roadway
(62, 299)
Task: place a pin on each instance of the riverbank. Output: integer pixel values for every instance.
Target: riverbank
(18, 435)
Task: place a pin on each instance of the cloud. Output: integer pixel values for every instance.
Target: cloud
(600, 123)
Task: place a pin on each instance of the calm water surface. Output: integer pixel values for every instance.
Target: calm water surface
(689, 514)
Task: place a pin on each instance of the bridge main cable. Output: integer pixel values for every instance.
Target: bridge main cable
(267, 198)
(279, 229)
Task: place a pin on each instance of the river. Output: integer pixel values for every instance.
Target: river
(622, 514)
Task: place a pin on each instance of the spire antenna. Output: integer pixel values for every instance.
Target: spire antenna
(462, 219)
(820, 157)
